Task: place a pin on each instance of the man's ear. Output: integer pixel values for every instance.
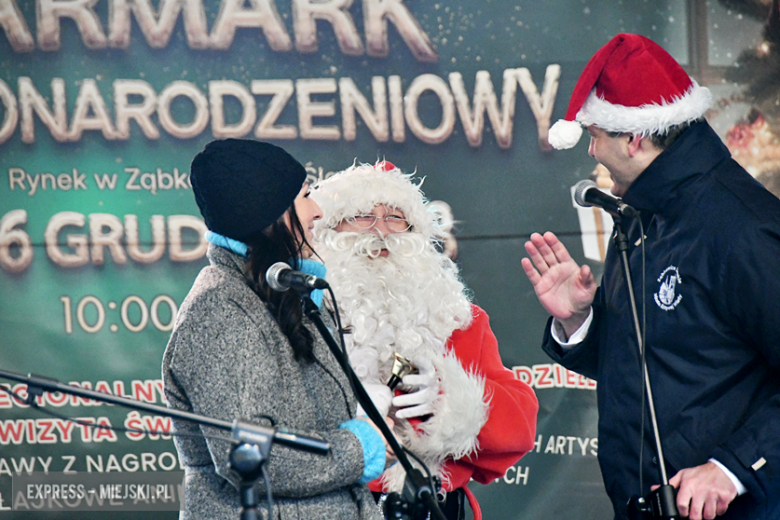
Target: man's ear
(635, 143)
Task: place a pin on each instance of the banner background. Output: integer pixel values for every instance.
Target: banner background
(108, 320)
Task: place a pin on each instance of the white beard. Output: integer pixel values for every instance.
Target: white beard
(408, 302)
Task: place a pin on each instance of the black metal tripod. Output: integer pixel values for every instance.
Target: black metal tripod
(251, 443)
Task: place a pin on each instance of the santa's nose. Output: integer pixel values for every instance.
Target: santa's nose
(380, 228)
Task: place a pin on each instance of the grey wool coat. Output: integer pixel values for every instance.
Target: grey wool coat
(228, 359)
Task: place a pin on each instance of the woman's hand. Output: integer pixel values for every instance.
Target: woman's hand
(390, 457)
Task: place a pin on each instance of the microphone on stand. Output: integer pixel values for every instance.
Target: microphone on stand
(281, 277)
(587, 193)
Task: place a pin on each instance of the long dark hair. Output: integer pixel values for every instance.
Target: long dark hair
(278, 244)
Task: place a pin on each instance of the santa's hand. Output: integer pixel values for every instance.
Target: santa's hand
(419, 401)
(381, 396)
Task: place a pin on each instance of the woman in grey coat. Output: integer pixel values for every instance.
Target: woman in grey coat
(242, 351)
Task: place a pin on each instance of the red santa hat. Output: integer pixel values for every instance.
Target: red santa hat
(630, 85)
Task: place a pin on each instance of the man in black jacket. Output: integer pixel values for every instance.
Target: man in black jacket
(708, 238)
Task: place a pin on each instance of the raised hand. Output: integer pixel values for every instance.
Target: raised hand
(564, 288)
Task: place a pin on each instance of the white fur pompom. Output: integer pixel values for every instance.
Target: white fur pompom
(564, 134)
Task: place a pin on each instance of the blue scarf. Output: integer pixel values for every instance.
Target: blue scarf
(230, 244)
(303, 265)
(313, 268)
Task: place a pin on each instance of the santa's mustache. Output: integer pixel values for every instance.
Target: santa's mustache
(371, 245)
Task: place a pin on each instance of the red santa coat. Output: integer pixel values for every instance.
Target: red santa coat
(510, 429)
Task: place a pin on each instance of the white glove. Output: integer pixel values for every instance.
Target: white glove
(381, 395)
(419, 401)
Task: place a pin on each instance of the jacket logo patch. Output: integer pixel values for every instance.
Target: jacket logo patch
(666, 297)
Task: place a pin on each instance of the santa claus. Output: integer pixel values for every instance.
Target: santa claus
(463, 413)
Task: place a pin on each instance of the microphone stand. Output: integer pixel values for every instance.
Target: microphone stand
(417, 488)
(251, 443)
(662, 502)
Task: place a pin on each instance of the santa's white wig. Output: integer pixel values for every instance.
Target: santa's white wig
(361, 187)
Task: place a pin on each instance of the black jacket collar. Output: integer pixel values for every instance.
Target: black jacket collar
(697, 151)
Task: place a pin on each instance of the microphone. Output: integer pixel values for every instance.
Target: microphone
(587, 193)
(281, 277)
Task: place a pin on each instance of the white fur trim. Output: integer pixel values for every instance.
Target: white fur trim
(361, 187)
(645, 119)
(564, 134)
(451, 432)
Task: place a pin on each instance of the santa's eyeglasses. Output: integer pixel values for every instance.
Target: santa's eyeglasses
(394, 223)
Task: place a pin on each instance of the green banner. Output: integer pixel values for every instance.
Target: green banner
(103, 104)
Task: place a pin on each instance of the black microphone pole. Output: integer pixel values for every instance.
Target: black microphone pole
(251, 442)
(661, 503)
(417, 488)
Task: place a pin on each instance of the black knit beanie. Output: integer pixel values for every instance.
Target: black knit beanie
(243, 186)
